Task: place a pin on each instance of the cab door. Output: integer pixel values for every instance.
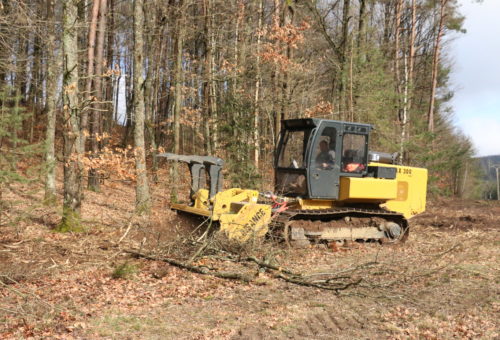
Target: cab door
(324, 162)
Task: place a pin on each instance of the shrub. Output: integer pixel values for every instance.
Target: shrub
(124, 271)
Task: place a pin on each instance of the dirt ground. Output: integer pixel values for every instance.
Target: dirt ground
(442, 283)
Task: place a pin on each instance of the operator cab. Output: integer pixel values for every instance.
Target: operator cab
(313, 154)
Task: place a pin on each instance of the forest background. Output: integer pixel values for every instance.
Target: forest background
(216, 77)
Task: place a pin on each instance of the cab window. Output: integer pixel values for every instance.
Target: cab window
(294, 149)
(353, 153)
(324, 150)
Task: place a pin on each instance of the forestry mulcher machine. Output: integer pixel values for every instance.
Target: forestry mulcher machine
(328, 188)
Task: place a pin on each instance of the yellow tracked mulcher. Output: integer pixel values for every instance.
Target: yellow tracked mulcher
(328, 188)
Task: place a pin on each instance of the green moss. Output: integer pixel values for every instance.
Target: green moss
(143, 209)
(50, 200)
(93, 188)
(173, 196)
(70, 222)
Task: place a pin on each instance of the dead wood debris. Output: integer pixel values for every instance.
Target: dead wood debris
(333, 283)
(194, 269)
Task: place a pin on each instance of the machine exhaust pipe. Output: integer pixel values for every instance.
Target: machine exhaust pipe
(382, 157)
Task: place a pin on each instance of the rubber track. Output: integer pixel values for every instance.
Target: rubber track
(341, 211)
(309, 214)
(281, 221)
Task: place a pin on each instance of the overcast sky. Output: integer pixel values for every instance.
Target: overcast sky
(476, 75)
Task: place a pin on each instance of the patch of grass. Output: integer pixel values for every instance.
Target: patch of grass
(124, 271)
(116, 325)
(317, 305)
(112, 324)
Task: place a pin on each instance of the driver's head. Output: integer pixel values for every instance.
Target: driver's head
(323, 146)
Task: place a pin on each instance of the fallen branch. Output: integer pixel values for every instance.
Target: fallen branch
(126, 232)
(443, 252)
(316, 285)
(194, 269)
(198, 252)
(22, 294)
(296, 278)
(269, 266)
(350, 269)
(278, 272)
(203, 245)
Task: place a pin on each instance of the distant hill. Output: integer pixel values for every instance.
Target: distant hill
(486, 163)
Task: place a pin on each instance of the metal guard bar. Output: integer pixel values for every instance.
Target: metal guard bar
(198, 165)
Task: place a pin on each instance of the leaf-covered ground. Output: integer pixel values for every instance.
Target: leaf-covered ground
(443, 283)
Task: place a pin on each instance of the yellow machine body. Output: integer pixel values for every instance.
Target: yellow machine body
(248, 221)
(328, 187)
(240, 216)
(411, 191)
(405, 194)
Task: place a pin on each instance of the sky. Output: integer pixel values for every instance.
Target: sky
(476, 75)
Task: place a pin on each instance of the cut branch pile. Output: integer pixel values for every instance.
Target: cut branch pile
(328, 281)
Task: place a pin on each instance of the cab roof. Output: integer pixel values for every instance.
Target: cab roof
(299, 123)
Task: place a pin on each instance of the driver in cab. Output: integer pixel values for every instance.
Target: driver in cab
(325, 158)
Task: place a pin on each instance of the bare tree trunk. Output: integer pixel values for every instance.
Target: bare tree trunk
(361, 31)
(208, 83)
(351, 81)
(90, 66)
(435, 65)
(256, 134)
(154, 42)
(464, 180)
(54, 65)
(285, 85)
(388, 7)
(129, 104)
(142, 197)
(409, 62)
(100, 65)
(397, 71)
(397, 46)
(343, 58)
(413, 34)
(96, 128)
(20, 78)
(108, 117)
(404, 112)
(239, 57)
(73, 148)
(178, 81)
(276, 75)
(213, 95)
(32, 74)
(240, 14)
